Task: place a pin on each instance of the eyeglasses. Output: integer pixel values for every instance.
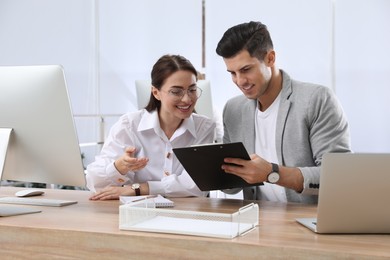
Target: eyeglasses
(178, 93)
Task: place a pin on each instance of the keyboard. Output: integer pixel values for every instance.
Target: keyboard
(37, 201)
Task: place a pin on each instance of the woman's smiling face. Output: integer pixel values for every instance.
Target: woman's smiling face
(173, 106)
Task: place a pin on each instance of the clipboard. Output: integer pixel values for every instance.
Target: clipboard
(203, 163)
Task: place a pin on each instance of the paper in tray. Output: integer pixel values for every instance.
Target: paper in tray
(146, 218)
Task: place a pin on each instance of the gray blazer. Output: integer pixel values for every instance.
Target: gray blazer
(310, 123)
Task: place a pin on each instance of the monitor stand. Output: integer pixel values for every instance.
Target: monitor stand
(5, 134)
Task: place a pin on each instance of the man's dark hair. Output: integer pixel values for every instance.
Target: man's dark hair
(253, 37)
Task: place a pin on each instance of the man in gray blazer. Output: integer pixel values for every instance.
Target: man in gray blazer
(286, 125)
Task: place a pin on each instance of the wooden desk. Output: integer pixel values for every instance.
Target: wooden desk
(89, 229)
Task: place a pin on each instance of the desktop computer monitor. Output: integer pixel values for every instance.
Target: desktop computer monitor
(39, 142)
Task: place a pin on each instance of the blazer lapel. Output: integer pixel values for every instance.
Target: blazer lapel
(284, 108)
(248, 123)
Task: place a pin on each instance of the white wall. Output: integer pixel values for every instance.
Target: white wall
(301, 33)
(105, 45)
(43, 32)
(362, 47)
(133, 35)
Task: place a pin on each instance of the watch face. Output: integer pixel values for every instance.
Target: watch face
(135, 186)
(273, 177)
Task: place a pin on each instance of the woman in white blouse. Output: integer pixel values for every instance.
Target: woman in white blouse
(137, 157)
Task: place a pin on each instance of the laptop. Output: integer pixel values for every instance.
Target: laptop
(354, 195)
(203, 163)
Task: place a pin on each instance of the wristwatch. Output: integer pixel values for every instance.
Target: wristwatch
(136, 188)
(273, 177)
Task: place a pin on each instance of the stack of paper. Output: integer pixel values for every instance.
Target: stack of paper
(159, 200)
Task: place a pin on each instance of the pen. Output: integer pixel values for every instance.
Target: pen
(145, 198)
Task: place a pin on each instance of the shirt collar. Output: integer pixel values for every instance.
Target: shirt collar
(187, 125)
(150, 120)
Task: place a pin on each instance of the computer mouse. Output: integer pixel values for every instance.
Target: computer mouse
(28, 193)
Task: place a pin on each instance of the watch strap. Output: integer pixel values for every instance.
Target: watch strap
(275, 167)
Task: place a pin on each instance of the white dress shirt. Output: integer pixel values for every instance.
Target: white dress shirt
(164, 173)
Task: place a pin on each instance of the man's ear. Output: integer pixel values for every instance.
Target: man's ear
(270, 58)
(156, 93)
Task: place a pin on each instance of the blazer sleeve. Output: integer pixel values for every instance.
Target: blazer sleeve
(329, 132)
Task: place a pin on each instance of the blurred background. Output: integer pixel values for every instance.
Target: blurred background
(105, 45)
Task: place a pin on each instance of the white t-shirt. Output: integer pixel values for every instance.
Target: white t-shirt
(265, 127)
(164, 173)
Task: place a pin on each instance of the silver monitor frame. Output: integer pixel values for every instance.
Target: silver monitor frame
(43, 144)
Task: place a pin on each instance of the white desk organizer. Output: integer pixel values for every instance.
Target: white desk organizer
(143, 216)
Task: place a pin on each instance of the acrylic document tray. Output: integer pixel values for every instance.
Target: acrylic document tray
(145, 217)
